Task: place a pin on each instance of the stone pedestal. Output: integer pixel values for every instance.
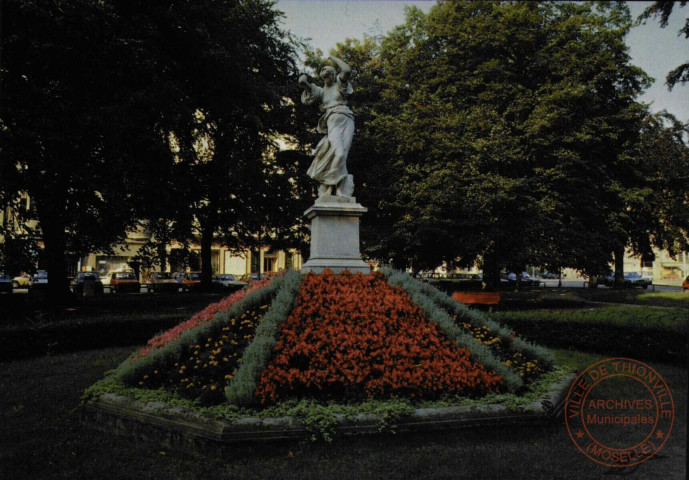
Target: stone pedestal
(335, 235)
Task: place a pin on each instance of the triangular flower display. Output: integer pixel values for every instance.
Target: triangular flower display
(335, 338)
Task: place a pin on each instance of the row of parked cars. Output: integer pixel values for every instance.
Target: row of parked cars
(8, 284)
(126, 282)
(631, 280)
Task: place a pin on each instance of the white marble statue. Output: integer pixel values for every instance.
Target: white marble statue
(329, 167)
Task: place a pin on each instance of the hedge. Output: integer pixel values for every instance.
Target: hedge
(89, 334)
(655, 337)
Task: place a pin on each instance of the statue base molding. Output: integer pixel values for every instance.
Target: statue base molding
(335, 235)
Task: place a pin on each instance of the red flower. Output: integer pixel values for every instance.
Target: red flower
(356, 335)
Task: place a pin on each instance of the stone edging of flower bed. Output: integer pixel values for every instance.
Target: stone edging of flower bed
(174, 425)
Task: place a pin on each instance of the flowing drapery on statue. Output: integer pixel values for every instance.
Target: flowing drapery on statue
(329, 166)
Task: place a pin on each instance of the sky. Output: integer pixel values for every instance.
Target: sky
(656, 50)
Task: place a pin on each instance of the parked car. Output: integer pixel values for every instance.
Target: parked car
(524, 278)
(635, 279)
(124, 282)
(631, 280)
(178, 276)
(607, 280)
(5, 283)
(227, 283)
(162, 282)
(21, 281)
(191, 281)
(39, 281)
(685, 285)
(82, 278)
(251, 277)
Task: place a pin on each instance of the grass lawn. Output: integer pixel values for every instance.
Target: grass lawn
(572, 298)
(637, 297)
(668, 318)
(42, 438)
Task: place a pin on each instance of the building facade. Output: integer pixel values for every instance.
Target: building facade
(223, 260)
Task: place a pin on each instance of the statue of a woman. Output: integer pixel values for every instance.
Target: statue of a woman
(329, 167)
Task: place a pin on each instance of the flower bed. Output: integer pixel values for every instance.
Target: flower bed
(199, 319)
(203, 369)
(528, 368)
(355, 336)
(201, 356)
(524, 360)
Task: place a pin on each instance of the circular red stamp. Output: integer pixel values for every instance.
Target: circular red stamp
(619, 412)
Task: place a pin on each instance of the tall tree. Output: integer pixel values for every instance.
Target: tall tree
(499, 126)
(93, 91)
(74, 119)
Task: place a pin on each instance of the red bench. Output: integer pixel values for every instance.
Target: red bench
(477, 298)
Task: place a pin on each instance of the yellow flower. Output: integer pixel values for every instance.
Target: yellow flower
(213, 387)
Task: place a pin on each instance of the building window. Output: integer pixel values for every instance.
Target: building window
(269, 263)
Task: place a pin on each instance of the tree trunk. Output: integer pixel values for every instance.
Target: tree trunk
(54, 242)
(491, 275)
(259, 252)
(619, 267)
(206, 264)
(162, 257)
(593, 281)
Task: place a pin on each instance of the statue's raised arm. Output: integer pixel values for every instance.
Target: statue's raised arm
(329, 166)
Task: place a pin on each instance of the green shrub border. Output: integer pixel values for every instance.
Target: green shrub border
(652, 341)
(241, 389)
(478, 351)
(131, 370)
(16, 343)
